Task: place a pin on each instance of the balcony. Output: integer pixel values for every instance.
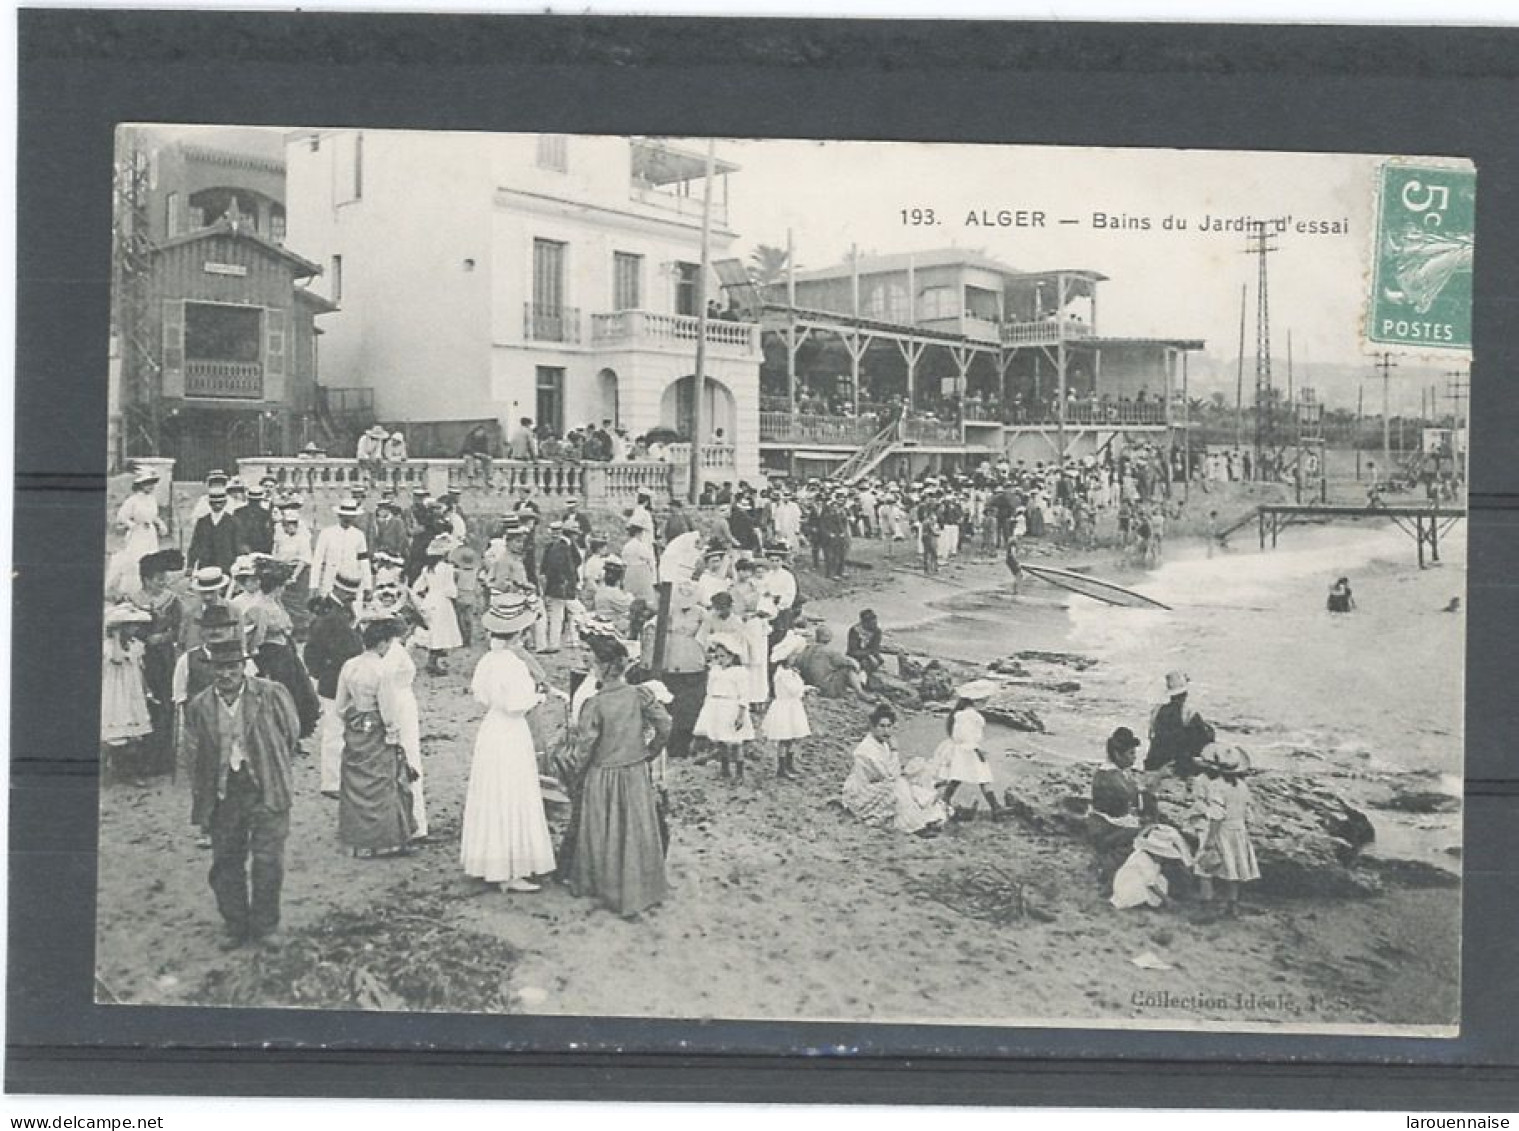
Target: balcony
(551, 324)
(679, 203)
(1043, 333)
(644, 329)
(811, 428)
(224, 380)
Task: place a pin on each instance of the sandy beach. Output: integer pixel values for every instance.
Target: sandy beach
(784, 906)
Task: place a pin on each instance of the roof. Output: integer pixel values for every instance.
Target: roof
(1178, 343)
(661, 162)
(898, 261)
(323, 305)
(304, 268)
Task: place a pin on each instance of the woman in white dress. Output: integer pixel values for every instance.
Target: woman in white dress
(506, 836)
(436, 591)
(882, 792)
(400, 673)
(138, 522)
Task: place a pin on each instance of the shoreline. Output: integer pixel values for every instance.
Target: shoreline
(783, 907)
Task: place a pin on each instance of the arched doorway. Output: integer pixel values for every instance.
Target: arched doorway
(606, 389)
(718, 410)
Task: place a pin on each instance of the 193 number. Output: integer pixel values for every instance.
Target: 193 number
(919, 217)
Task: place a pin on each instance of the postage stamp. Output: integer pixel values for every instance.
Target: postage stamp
(1421, 293)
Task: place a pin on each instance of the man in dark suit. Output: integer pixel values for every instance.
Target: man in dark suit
(255, 523)
(216, 537)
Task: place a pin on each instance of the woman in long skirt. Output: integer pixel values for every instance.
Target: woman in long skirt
(138, 522)
(124, 719)
(271, 642)
(506, 836)
(619, 853)
(401, 673)
(436, 591)
(374, 814)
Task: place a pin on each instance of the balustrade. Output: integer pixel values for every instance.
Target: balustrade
(649, 329)
(230, 379)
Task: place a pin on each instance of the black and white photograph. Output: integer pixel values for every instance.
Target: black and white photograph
(719, 578)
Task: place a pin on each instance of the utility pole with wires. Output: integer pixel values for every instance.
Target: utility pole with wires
(1458, 390)
(1386, 364)
(132, 255)
(699, 378)
(1265, 438)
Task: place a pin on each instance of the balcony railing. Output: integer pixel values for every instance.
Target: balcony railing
(551, 324)
(1043, 333)
(919, 430)
(808, 428)
(647, 329)
(233, 380)
(646, 193)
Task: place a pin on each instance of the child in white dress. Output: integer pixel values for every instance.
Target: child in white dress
(958, 759)
(1226, 853)
(124, 718)
(724, 718)
(786, 720)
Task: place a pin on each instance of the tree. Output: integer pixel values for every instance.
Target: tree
(767, 264)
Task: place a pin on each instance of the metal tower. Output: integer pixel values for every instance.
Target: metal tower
(1265, 429)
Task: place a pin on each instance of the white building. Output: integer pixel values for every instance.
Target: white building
(501, 276)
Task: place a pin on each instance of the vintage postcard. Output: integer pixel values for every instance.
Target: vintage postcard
(842, 581)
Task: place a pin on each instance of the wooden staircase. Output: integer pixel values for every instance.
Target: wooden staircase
(870, 454)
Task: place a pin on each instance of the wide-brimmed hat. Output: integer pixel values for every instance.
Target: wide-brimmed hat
(144, 476)
(215, 475)
(780, 548)
(349, 509)
(788, 646)
(1226, 759)
(441, 545)
(126, 613)
(346, 584)
(225, 650)
(977, 689)
(209, 579)
(1123, 739)
(613, 561)
(509, 613)
(236, 484)
(257, 492)
(1176, 683)
(244, 565)
(378, 432)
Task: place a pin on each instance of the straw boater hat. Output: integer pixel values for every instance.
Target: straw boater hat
(509, 613)
(244, 565)
(780, 548)
(236, 484)
(210, 580)
(385, 557)
(378, 432)
(217, 490)
(144, 476)
(346, 585)
(1176, 683)
(788, 646)
(349, 509)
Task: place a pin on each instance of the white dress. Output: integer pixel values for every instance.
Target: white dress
(435, 591)
(955, 759)
(505, 834)
(725, 712)
(400, 673)
(139, 514)
(756, 657)
(787, 717)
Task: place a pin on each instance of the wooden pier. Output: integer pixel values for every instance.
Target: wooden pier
(1426, 524)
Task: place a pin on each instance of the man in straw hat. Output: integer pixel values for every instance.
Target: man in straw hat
(341, 548)
(215, 538)
(370, 451)
(560, 575)
(333, 641)
(240, 734)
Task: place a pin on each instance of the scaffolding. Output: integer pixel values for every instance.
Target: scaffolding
(132, 253)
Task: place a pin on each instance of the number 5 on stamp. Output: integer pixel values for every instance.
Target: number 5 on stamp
(1421, 288)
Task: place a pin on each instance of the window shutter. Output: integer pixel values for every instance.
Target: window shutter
(274, 354)
(174, 348)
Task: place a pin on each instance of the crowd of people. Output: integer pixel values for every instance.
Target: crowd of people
(262, 643)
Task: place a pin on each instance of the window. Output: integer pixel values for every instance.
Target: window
(551, 398)
(686, 277)
(627, 281)
(277, 224)
(938, 302)
(223, 333)
(885, 300)
(548, 276)
(553, 152)
(347, 167)
(174, 214)
(337, 278)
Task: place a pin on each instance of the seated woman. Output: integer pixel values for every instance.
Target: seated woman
(1113, 819)
(880, 791)
(1341, 600)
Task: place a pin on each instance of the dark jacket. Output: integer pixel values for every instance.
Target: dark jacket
(255, 529)
(1177, 736)
(332, 642)
(270, 733)
(213, 544)
(561, 569)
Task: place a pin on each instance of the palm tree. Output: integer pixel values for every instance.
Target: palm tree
(768, 264)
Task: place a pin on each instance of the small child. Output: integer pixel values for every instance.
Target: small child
(958, 760)
(1225, 853)
(786, 720)
(724, 718)
(124, 718)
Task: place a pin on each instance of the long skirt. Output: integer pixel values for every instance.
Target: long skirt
(295, 598)
(374, 811)
(282, 663)
(619, 854)
(505, 836)
(158, 680)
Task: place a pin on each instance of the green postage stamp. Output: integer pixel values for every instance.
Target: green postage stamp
(1421, 289)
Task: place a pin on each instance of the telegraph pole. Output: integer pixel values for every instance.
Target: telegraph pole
(1239, 377)
(1264, 426)
(1360, 409)
(1458, 390)
(699, 378)
(1386, 364)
